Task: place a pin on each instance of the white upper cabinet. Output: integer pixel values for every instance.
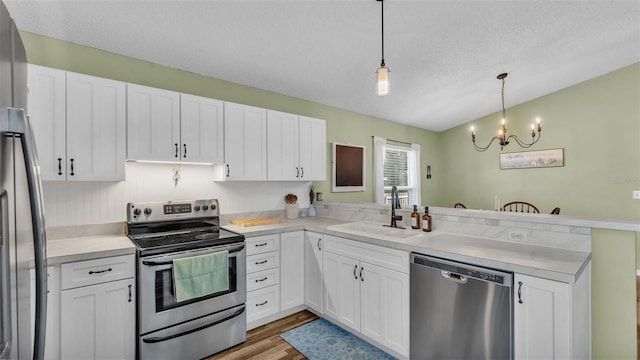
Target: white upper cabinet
(282, 146)
(201, 129)
(313, 149)
(79, 125)
(164, 125)
(245, 143)
(48, 116)
(153, 124)
(96, 119)
(296, 147)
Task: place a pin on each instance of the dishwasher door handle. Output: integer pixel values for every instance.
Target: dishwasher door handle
(453, 276)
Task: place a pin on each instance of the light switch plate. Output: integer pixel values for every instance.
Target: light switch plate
(636, 194)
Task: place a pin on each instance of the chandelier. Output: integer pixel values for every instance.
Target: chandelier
(502, 137)
(382, 74)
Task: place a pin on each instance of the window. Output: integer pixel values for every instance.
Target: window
(399, 166)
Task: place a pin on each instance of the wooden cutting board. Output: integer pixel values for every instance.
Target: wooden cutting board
(257, 221)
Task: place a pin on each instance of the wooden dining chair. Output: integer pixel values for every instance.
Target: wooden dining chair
(555, 211)
(520, 206)
(459, 206)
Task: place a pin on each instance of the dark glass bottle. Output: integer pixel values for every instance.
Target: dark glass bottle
(426, 220)
(415, 218)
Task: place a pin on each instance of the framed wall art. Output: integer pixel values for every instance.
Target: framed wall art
(532, 159)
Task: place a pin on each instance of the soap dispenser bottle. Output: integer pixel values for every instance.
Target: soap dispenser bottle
(426, 220)
(415, 218)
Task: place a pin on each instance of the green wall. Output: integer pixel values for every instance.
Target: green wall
(596, 122)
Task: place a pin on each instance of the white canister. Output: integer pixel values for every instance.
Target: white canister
(292, 211)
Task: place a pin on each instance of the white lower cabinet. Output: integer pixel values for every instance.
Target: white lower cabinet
(552, 319)
(367, 291)
(97, 309)
(313, 285)
(291, 270)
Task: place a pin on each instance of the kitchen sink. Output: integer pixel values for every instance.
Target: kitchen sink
(378, 230)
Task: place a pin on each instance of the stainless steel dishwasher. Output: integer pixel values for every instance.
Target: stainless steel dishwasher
(459, 311)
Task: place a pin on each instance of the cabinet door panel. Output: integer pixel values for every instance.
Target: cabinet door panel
(245, 142)
(95, 128)
(282, 142)
(153, 124)
(542, 324)
(98, 321)
(342, 290)
(201, 124)
(313, 284)
(291, 270)
(384, 298)
(47, 113)
(313, 149)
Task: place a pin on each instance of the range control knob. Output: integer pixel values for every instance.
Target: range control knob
(213, 206)
(196, 208)
(205, 207)
(147, 211)
(136, 212)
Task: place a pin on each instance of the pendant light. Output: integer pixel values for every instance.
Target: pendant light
(382, 74)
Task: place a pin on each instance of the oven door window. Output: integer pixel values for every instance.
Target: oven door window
(164, 289)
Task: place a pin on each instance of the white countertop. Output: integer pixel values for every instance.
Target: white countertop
(541, 261)
(546, 262)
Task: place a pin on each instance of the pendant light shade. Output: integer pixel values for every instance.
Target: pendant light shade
(382, 74)
(382, 85)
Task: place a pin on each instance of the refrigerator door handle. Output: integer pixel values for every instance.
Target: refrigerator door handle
(19, 124)
(5, 299)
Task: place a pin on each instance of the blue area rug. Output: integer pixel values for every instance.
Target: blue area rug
(321, 339)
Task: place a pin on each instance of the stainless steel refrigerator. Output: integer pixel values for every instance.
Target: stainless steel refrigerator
(22, 231)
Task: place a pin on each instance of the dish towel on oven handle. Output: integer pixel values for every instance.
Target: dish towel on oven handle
(200, 275)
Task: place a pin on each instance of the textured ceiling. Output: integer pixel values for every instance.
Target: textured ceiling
(444, 55)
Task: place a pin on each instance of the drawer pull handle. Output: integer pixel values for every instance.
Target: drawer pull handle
(319, 248)
(72, 168)
(261, 262)
(129, 292)
(185, 151)
(59, 166)
(261, 280)
(355, 268)
(264, 303)
(263, 244)
(176, 145)
(361, 269)
(99, 271)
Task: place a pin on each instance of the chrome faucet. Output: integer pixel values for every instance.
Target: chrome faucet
(395, 204)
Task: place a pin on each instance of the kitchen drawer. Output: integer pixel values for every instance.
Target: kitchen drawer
(83, 273)
(261, 262)
(262, 244)
(261, 279)
(263, 302)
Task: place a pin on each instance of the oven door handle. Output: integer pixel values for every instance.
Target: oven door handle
(170, 262)
(158, 339)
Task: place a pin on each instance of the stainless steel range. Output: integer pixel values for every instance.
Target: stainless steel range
(197, 327)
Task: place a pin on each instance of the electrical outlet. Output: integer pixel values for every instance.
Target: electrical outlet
(517, 235)
(636, 195)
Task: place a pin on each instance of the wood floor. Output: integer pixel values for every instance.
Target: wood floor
(265, 343)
